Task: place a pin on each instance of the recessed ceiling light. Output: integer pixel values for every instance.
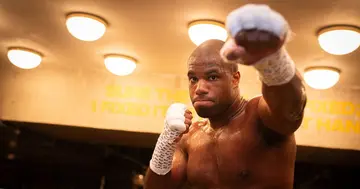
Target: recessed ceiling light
(120, 65)
(24, 58)
(85, 27)
(203, 30)
(339, 40)
(321, 77)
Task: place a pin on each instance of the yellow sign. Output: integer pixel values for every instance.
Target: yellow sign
(153, 102)
(139, 101)
(332, 125)
(341, 108)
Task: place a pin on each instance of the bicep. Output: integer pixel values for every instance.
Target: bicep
(283, 112)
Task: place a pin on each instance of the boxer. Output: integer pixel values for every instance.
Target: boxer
(243, 143)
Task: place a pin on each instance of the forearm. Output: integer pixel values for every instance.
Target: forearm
(159, 173)
(167, 164)
(286, 101)
(172, 179)
(155, 181)
(283, 91)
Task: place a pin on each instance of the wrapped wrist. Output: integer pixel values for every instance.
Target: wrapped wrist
(276, 69)
(161, 161)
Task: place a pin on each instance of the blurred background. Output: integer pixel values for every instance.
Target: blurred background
(84, 86)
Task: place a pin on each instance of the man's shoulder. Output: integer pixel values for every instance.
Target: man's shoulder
(254, 101)
(198, 124)
(195, 127)
(251, 107)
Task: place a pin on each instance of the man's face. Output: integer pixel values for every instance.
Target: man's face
(211, 85)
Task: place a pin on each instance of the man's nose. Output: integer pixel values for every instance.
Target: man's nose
(201, 88)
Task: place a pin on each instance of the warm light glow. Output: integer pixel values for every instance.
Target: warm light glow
(321, 77)
(200, 31)
(85, 27)
(339, 40)
(120, 65)
(24, 58)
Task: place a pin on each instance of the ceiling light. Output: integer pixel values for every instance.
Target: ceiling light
(339, 40)
(85, 27)
(119, 64)
(24, 58)
(321, 77)
(203, 30)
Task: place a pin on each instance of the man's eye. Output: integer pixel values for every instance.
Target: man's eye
(213, 78)
(193, 79)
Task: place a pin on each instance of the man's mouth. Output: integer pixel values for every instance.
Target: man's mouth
(203, 102)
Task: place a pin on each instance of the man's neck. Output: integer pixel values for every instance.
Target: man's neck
(235, 109)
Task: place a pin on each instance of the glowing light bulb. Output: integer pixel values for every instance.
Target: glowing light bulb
(85, 27)
(321, 77)
(24, 58)
(119, 64)
(339, 40)
(200, 31)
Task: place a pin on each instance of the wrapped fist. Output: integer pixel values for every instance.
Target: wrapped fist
(256, 32)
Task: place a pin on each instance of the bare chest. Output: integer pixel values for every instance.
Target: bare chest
(231, 159)
(222, 157)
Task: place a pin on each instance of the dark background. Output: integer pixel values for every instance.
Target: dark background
(38, 156)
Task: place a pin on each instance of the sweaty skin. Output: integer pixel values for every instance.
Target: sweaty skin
(243, 144)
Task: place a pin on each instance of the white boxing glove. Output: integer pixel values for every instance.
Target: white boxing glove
(174, 126)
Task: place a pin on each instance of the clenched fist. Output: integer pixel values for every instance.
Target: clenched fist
(178, 119)
(256, 32)
(188, 121)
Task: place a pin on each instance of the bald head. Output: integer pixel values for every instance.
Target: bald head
(208, 53)
(211, 46)
(211, 79)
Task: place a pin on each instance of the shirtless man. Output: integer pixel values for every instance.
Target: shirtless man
(244, 144)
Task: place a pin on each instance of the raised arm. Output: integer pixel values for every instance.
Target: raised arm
(258, 35)
(168, 164)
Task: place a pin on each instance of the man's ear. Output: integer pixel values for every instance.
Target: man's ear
(236, 79)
